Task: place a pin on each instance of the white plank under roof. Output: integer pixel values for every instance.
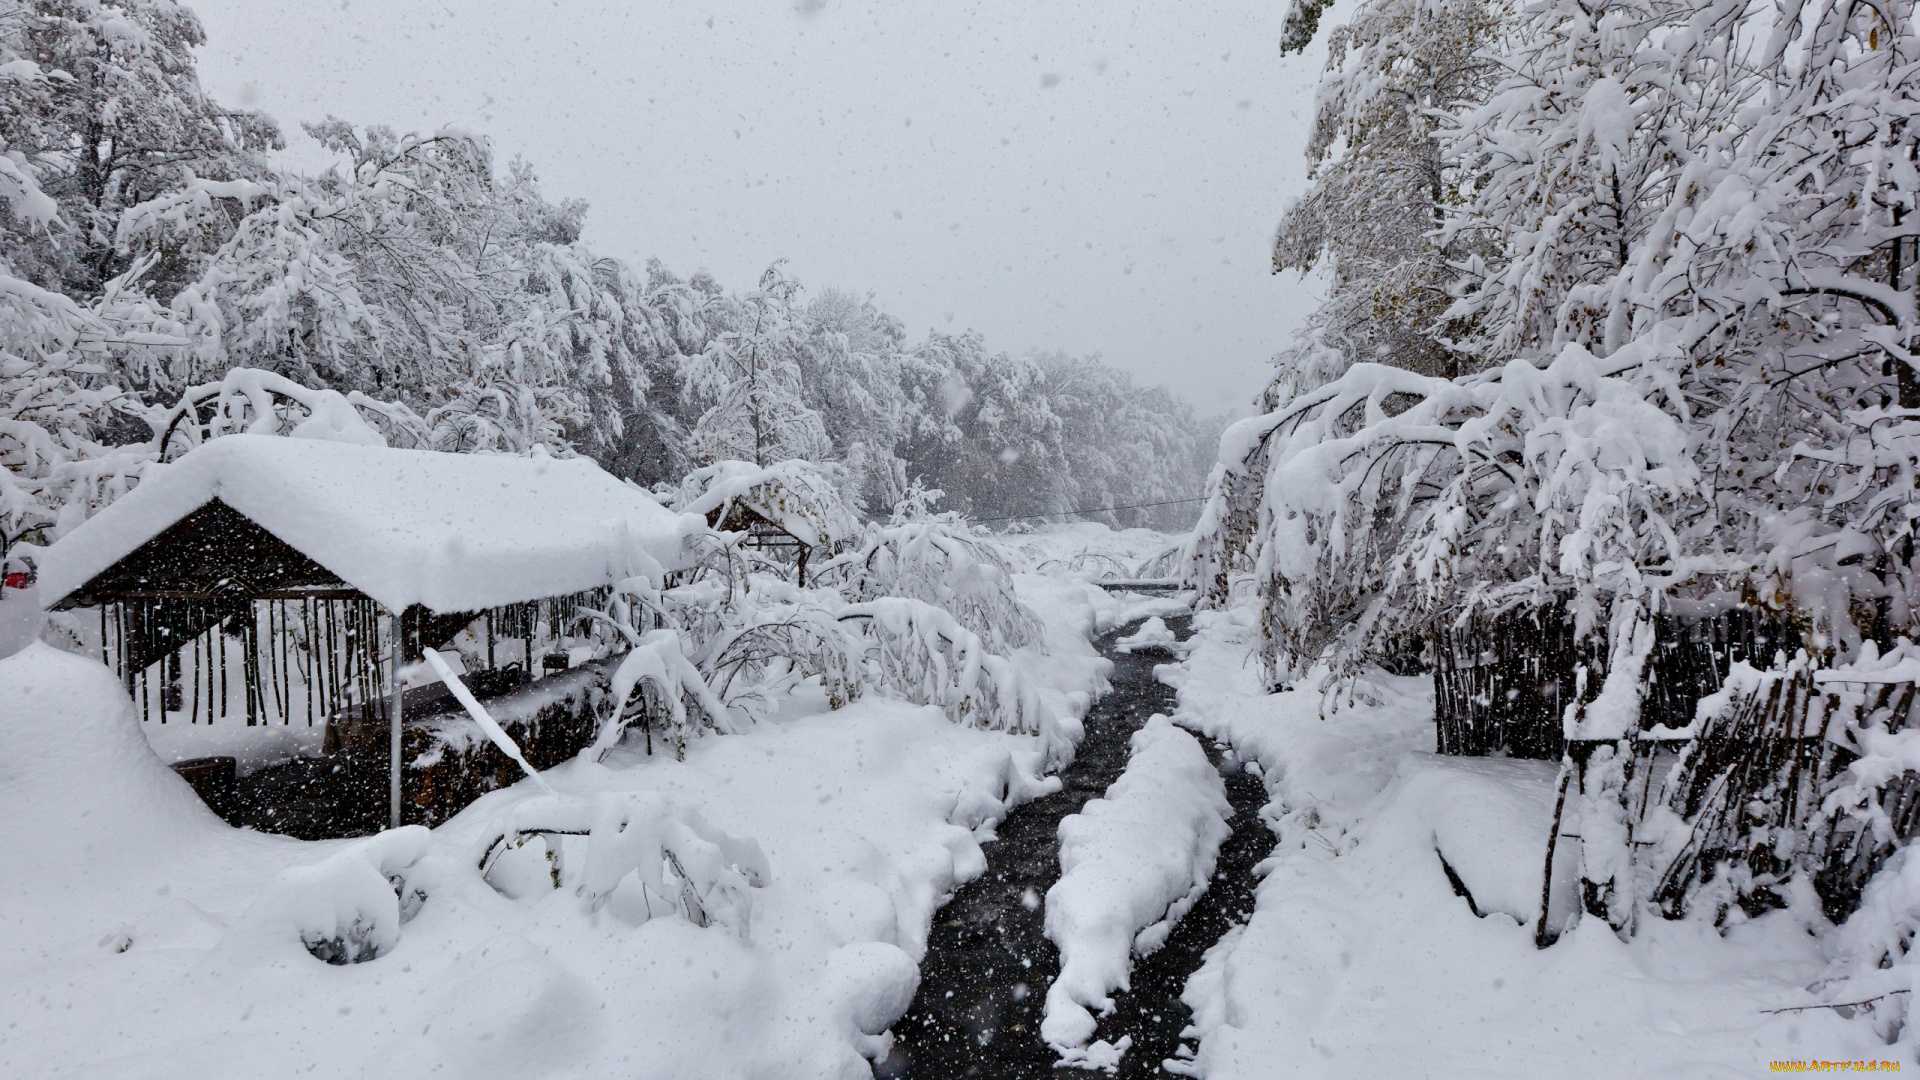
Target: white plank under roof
(451, 532)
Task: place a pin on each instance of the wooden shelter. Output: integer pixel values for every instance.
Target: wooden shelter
(287, 581)
(789, 508)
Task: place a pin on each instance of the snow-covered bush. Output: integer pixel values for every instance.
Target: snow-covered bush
(57, 401)
(943, 564)
(920, 652)
(53, 466)
(1393, 500)
(347, 908)
(923, 611)
(58, 470)
(263, 403)
(645, 856)
(776, 646)
(736, 641)
(1168, 563)
(656, 677)
(1094, 564)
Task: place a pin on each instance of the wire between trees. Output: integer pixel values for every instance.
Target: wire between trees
(1089, 510)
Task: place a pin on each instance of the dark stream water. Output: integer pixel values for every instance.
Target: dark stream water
(983, 984)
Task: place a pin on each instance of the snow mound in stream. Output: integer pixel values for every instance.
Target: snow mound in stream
(1153, 634)
(1132, 862)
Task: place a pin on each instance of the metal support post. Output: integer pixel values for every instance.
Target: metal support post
(397, 714)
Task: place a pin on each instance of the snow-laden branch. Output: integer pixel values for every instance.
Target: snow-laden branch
(923, 654)
(941, 564)
(1384, 491)
(655, 661)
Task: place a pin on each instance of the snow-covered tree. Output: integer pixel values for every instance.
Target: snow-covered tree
(982, 429)
(411, 270)
(1692, 341)
(851, 370)
(148, 247)
(1610, 111)
(57, 406)
(1694, 313)
(750, 382)
(101, 102)
(1137, 448)
(1380, 184)
(1712, 198)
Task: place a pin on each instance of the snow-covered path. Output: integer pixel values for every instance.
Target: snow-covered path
(989, 961)
(1132, 863)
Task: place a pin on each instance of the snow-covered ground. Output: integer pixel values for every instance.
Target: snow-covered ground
(1061, 563)
(1362, 960)
(144, 937)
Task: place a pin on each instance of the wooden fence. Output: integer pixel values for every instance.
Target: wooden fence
(1502, 683)
(1750, 787)
(1749, 783)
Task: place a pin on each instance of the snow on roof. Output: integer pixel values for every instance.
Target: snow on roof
(452, 532)
(793, 494)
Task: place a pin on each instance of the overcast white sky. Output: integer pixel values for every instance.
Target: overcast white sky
(1088, 176)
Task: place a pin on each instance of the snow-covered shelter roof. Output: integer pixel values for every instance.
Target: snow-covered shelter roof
(793, 495)
(450, 532)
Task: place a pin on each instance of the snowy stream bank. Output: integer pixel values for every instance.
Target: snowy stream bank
(1362, 957)
(146, 938)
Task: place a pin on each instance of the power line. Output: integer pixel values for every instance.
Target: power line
(1090, 510)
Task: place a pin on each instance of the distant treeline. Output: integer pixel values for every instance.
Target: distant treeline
(149, 244)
